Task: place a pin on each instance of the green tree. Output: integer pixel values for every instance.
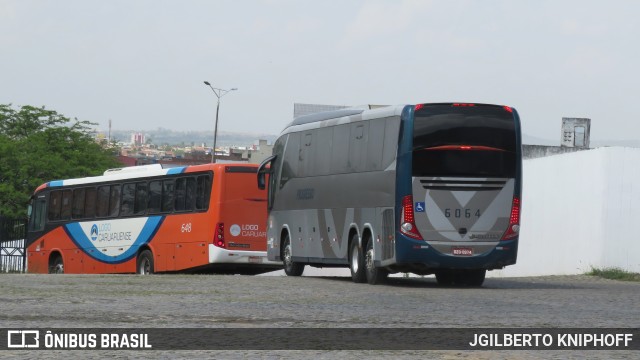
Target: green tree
(39, 145)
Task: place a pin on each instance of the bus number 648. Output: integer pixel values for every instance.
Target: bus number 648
(185, 227)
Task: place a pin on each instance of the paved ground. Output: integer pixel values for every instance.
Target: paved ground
(196, 301)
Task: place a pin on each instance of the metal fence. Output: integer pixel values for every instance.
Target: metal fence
(12, 245)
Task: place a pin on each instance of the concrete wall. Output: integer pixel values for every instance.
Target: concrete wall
(579, 210)
(536, 151)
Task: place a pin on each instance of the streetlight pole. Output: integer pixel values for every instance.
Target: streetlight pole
(219, 93)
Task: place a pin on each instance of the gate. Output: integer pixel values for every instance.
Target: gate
(12, 245)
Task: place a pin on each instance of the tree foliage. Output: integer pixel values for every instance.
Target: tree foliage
(39, 145)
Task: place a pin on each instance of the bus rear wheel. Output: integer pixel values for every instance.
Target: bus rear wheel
(375, 275)
(291, 268)
(56, 266)
(356, 261)
(144, 264)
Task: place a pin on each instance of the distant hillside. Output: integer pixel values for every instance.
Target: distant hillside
(187, 138)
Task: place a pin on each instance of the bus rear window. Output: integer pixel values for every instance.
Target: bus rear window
(465, 141)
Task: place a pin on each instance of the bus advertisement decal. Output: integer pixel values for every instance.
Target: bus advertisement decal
(118, 240)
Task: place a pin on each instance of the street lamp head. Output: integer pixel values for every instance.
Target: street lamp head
(207, 83)
(233, 89)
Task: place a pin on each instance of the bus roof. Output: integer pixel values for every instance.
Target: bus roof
(342, 116)
(138, 172)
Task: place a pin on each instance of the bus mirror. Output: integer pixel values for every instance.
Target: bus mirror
(263, 169)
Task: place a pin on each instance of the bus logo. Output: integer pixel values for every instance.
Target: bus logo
(234, 230)
(420, 207)
(94, 232)
(20, 339)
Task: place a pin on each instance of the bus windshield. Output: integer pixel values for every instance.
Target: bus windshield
(472, 141)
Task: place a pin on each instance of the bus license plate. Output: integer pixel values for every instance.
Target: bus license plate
(462, 251)
(255, 259)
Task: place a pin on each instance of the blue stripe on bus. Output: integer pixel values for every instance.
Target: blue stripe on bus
(55, 183)
(176, 170)
(83, 243)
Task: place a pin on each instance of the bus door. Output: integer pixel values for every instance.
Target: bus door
(36, 229)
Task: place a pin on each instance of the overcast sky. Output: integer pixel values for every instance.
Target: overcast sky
(142, 63)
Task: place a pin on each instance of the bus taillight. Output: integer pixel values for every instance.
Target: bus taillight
(514, 221)
(407, 220)
(218, 238)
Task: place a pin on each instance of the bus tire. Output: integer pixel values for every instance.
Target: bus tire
(356, 261)
(56, 266)
(375, 275)
(291, 268)
(144, 265)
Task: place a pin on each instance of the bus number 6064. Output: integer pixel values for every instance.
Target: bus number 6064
(458, 213)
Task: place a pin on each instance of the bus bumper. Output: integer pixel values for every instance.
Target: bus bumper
(419, 253)
(224, 256)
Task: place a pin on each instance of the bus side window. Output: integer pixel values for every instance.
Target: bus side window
(203, 190)
(128, 198)
(77, 210)
(340, 149)
(291, 159)
(141, 198)
(155, 197)
(190, 194)
(90, 202)
(55, 203)
(65, 211)
(114, 202)
(322, 151)
(168, 193)
(103, 201)
(181, 185)
(358, 147)
(38, 214)
(375, 145)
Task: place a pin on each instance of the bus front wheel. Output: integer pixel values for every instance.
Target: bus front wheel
(291, 268)
(56, 266)
(145, 263)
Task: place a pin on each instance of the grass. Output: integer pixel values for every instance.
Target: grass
(614, 273)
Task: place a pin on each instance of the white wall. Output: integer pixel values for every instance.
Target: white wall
(579, 210)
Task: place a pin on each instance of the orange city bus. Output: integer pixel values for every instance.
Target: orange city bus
(147, 219)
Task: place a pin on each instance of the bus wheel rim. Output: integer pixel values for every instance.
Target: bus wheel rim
(369, 259)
